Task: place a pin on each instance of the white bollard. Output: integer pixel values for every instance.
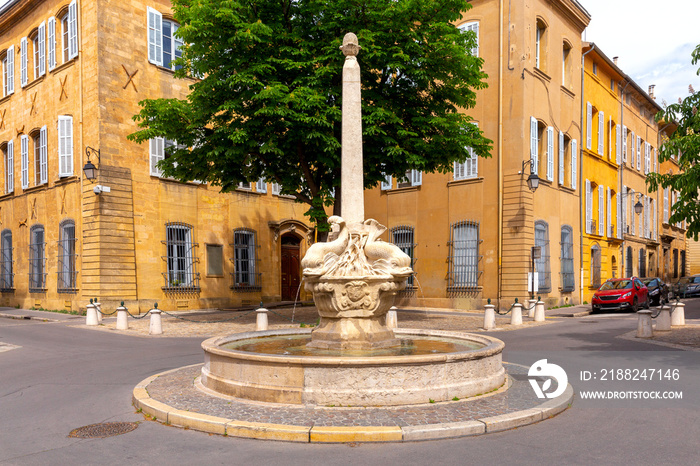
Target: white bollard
(489, 317)
(155, 327)
(663, 320)
(392, 319)
(91, 315)
(539, 311)
(122, 318)
(644, 325)
(98, 308)
(261, 319)
(531, 308)
(677, 314)
(516, 314)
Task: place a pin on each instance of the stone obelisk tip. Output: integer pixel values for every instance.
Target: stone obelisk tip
(350, 45)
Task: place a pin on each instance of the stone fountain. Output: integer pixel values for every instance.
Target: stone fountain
(352, 358)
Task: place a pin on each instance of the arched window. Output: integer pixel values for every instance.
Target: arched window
(402, 237)
(163, 44)
(567, 259)
(595, 265)
(37, 259)
(542, 266)
(67, 275)
(7, 282)
(8, 155)
(541, 45)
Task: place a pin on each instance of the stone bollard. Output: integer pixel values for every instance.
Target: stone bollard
(677, 314)
(644, 325)
(531, 303)
(261, 319)
(516, 314)
(663, 320)
(122, 318)
(98, 308)
(91, 315)
(539, 311)
(392, 319)
(156, 325)
(489, 317)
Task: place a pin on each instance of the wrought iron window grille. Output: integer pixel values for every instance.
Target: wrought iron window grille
(403, 236)
(464, 259)
(67, 259)
(181, 261)
(7, 276)
(246, 275)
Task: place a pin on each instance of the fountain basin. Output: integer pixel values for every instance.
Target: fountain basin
(374, 379)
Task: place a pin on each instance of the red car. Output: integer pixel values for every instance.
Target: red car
(621, 293)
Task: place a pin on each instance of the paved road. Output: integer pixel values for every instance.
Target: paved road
(63, 377)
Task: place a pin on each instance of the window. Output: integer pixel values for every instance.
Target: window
(665, 218)
(386, 183)
(261, 186)
(159, 149)
(464, 257)
(541, 45)
(566, 65)
(67, 275)
(402, 237)
(24, 154)
(542, 266)
(40, 168)
(601, 133)
(64, 38)
(589, 225)
(23, 57)
(9, 159)
(542, 148)
(215, 260)
(39, 46)
(181, 261)
(682, 264)
(675, 263)
(69, 32)
(574, 167)
(595, 69)
(245, 275)
(7, 282)
(567, 259)
(8, 71)
(595, 265)
(470, 167)
(642, 263)
(163, 45)
(37, 259)
(601, 210)
(411, 178)
(51, 43)
(628, 265)
(65, 145)
(474, 27)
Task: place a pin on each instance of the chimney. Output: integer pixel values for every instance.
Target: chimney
(615, 60)
(651, 91)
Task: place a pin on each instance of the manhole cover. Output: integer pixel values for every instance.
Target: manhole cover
(105, 429)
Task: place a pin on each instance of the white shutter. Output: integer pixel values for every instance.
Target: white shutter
(416, 177)
(561, 158)
(275, 189)
(647, 158)
(646, 217)
(654, 228)
(261, 186)
(23, 61)
(41, 41)
(51, 43)
(589, 126)
(641, 219)
(533, 144)
(386, 183)
(155, 37)
(589, 207)
(550, 153)
(633, 218)
(639, 153)
(10, 167)
(656, 160)
(458, 170)
(609, 220)
(601, 210)
(43, 168)
(157, 153)
(601, 133)
(623, 203)
(618, 145)
(72, 29)
(65, 145)
(624, 144)
(574, 155)
(24, 154)
(10, 72)
(666, 210)
(619, 205)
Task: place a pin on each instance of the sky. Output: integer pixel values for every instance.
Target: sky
(652, 39)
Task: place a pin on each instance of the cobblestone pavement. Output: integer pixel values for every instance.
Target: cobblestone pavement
(685, 336)
(177, 390)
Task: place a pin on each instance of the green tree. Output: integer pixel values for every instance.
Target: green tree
(269, 103)
(684, 143)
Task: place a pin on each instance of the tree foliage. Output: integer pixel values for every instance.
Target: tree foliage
(269, 103)
(684, 145)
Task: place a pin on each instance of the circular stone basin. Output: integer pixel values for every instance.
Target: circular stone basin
(275, 366)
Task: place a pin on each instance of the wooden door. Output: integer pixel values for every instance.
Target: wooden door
(291, 271)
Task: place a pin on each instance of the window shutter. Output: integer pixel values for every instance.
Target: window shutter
(156, 154)
(458, 170)
(73, 29)
(601, 133)
(601, 210)
(386, 183)
(533, 144)
(618, 145)
(275, 189)
(43, 169)
(416, 177)
(65, 145)
(632, 214)
(639, 152)
(10, 167)
(623, 203)
(610, 139)
(654, 228)
(656, 160)
(261, 186)
(51, 43)
(647, 158)
(550, 153)
(574, 155)
(24, 154)
(640, 232)
(10, 69)
(646, 217)
(624, 144)
(155, 37)
(561, 158)
(589, 125)
(23, 61)
(619, 216)
(665, 218)
(41, 41)
(609, 219)
(589, 207)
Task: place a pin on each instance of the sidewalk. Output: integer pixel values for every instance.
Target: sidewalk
(14, 313)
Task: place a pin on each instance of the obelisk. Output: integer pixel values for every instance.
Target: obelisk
(352, 205)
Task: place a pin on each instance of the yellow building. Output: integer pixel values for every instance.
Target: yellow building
(73, 73)
(471, 232)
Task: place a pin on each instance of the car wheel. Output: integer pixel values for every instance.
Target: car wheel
(595, 309)
(635, 305)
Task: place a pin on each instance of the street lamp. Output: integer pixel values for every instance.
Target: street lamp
(533, 181)
(90, 169)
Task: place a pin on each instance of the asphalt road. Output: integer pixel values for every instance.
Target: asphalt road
(62, 378)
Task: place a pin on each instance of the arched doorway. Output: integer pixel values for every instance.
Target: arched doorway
(291, 266)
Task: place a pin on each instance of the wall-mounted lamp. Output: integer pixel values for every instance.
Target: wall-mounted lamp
(90, 169)
(638, 207)
(533, 181)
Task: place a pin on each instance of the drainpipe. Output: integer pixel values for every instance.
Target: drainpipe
(500, 148)
(580, 178)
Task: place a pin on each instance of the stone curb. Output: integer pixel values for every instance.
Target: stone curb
(327, 434)
(25, 317)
